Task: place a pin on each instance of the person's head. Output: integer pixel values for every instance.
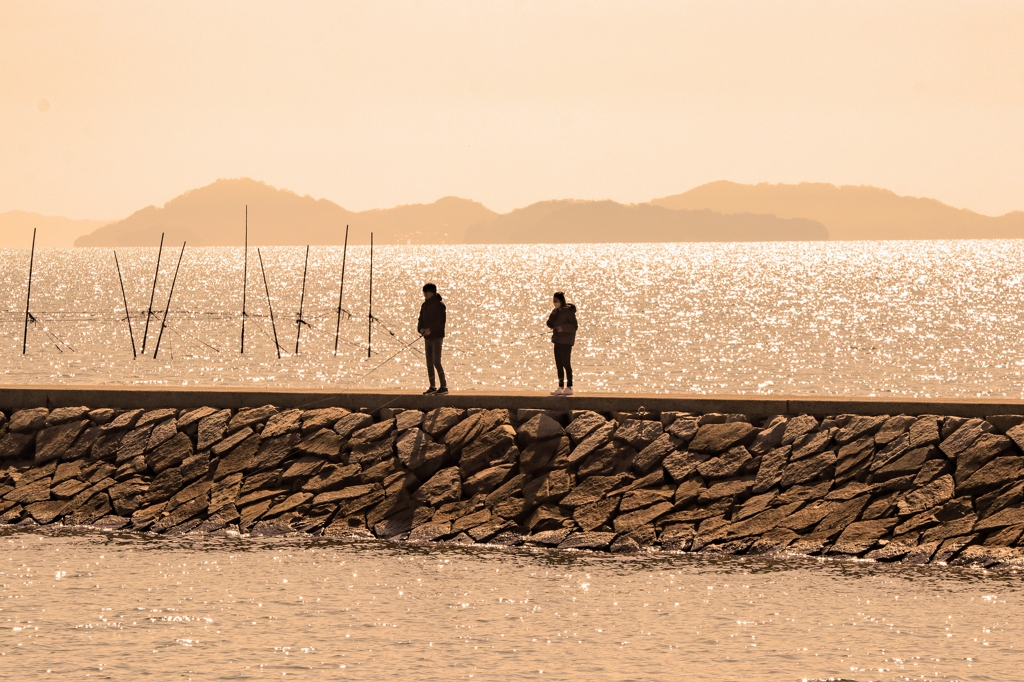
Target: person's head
(429, 290)
(559, 299)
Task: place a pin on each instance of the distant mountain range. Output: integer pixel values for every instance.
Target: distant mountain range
(720, 211)
(575, 222)
(851, 212)
(51, 231)
(214, 216)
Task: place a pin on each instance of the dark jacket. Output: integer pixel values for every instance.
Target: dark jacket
(433, 316)
(564, 317)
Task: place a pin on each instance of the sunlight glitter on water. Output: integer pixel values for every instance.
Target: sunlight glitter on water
(212, 608)
(925, 319)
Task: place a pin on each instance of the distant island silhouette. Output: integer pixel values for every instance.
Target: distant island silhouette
(213, 216)
(719, 211)
(51, 231)
(851, 212)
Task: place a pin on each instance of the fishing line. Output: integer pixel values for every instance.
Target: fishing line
(353, 383)
(394, 335)
(196, 339)
(265, 333)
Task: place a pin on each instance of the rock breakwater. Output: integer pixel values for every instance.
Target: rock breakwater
(910, 488)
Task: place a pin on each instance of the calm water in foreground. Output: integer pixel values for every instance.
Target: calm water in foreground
(123, 607)
(856, 318)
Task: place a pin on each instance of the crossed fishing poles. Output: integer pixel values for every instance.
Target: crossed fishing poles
(300, 321)
(150, 313)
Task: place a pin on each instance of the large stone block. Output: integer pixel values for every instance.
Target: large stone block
(964, 437)
(808, 469)
(639, 433)
(28, 421)
(727, 464)
(351, 423)
(893, 428)
(652, 455)
(54, 441)
(539, 428)
(248, 417)
(858, 427)
(16, 445)
(715, 438)
(584, 424)
(859, 537)
(212, 428)
(62, 415)
(588, 540)
(984, 449)
(596, 514)
(798, 427)
(123, 421)
(438, 421)
(934, 494)
(478, 453)
(994, 474)
(484, 482)
(597, 438)
(547, 488)
(281, 423)
(320, 418)
(162, 433)
(769, 473)
(593, 489)
(270, 453)
(444, 486)
(133, 444)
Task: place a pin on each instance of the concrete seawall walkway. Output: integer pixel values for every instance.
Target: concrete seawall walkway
(13, 397)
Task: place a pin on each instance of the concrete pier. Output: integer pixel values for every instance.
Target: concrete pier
(915, 481)
(13, 397)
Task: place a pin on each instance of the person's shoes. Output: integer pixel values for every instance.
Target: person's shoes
(567, 391)
(441, 391)
(557, 391)
(430, 391)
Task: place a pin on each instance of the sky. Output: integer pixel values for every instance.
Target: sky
(107, 107)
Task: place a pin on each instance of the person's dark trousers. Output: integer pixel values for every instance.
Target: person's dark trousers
(433, 353)
(563, 361)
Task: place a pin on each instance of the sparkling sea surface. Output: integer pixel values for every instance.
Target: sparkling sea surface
(118, 606)
(926, 319)
(915, 318)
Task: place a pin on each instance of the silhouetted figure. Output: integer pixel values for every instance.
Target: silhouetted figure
(562, 322)
(433, 316)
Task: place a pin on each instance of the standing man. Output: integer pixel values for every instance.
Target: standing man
(433, 316)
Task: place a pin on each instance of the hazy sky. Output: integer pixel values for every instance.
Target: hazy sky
(106, 107)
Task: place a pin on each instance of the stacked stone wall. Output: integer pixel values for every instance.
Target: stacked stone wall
(910, 488)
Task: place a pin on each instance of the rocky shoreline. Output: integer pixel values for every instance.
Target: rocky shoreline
(910, 488)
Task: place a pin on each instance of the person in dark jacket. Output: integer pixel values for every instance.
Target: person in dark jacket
(433, 316)
(563, 325)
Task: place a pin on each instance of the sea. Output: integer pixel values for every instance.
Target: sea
(921, 319)
(900, 318)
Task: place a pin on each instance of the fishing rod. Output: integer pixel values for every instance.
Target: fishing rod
(390, 358)
(302, 299)
(341, 292)
(245, 275)
(369, 316)
(335, 395)
(269, 304)
(169, 295)
(393, 335)
(124, 296)
(152, 296)
(28, 296)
